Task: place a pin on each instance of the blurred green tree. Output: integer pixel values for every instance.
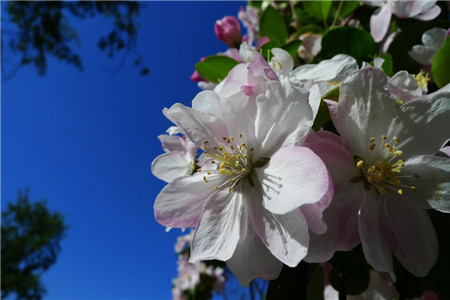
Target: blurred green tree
(30, 238)
(35, 30)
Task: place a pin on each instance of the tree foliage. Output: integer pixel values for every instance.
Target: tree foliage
(31, 237)
(37, 30)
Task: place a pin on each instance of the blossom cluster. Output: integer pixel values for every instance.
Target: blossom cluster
(197, 280)
(298, 153)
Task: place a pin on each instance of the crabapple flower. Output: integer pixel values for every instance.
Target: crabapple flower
(246, 201)
(385, 174)
(432, 40)
(417, 9)
(250, 19)
(179, 159)
(228, 30)
(311, 46)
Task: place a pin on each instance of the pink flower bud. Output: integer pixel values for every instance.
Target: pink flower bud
(228, 30)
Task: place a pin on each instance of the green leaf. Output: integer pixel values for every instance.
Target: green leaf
(440, 65)
(346, 8)
(309, 28)
(292, 48)
(272, 25)
(387, 65)
(323, 115)
(303, 16)
(348, 40)
(318, 9)
(215, 68)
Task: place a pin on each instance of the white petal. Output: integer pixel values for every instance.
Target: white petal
(180, 203)
(252, 259)
(429, 14)
(286, 236)
(433, 184)
(294, 176)
(416, 244)
(422, 125)
(172, 143)
(314, 99)
(434, 38)
(365, 109)
(376, 234)
(335, 69)
(281, 120)
(404, 86)
(380, 21)
(422, 54)
(218, 231)
(169, 166)
(198, 126)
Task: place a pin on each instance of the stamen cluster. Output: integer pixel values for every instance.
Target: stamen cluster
(383, 171)
(232, 159)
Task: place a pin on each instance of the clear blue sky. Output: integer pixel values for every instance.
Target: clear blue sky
(85, 142)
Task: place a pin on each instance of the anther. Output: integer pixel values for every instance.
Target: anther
(360, 164)
(384, 137)
(413, 188)
(216, 187)
(387, 145)
(199, 170)
(372, 146)
(400, 192)
(204, 179)
(396, 139)
(208, 172)
(372, 139)
(371, 169)
(398, 153)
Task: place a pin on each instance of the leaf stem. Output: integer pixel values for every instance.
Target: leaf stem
(337, 13)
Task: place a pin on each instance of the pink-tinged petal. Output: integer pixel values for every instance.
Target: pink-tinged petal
(432, 188)
(380, 21)
(180, 203)
(232, 84)
(281, 119)
(416, 244)
(444, 152)
(333, 108)
(404, 86)
(430, 14)
(294, 176)
(335, 153)
(198, 126)
(286, 236)
(376, 234)
(252, 259)
(365, 109)
(171, 143)
(260, 69)
(313, 212)
(421, 125)
(169, 166)
(218, 231)
(341, 218)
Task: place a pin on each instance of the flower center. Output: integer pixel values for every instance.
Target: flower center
(233, 160)
(383, 171)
